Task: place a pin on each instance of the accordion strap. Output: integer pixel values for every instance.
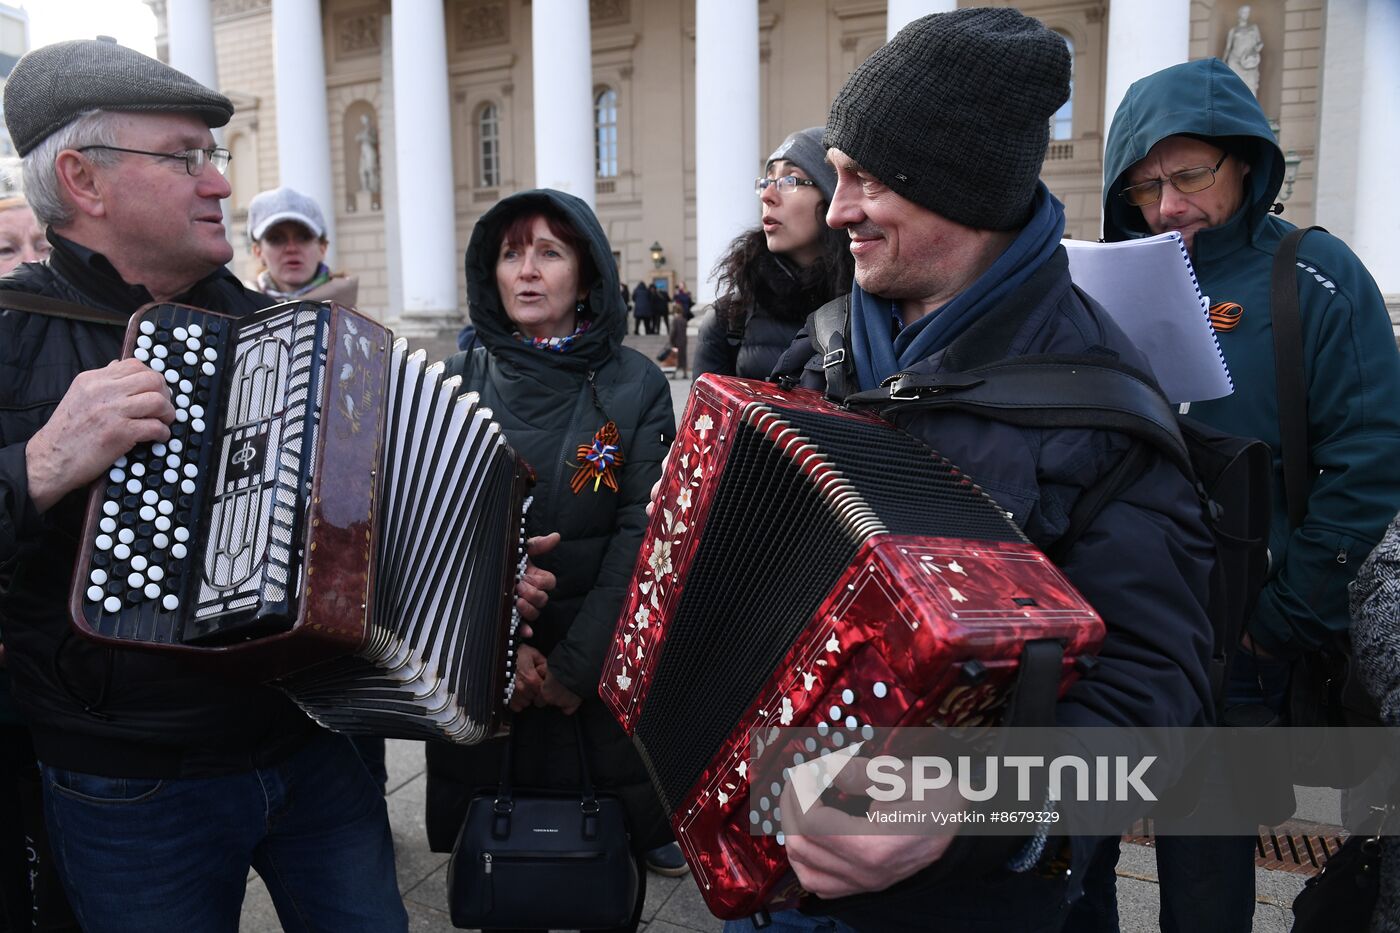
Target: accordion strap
(54, 307)
(1032, 703)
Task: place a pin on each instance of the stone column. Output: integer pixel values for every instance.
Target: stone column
(900, 13)
(190, 31)
(1144, 36)
(303, 124)
(562, 55)
(426, 201)
(1377, 222)
(726, 130)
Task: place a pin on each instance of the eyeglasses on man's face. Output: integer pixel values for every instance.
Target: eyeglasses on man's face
(1187, 181)
(786, 184)
(194, 159)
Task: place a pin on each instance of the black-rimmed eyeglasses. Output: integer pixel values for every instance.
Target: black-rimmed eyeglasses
(194, 159)
(786, 184)
(1187, 181)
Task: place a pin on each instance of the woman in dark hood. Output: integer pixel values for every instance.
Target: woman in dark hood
(594, 420)
(772, 277)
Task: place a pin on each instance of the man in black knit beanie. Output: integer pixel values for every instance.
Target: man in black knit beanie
(937, 141)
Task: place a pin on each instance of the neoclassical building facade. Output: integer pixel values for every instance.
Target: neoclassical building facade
(408, 119)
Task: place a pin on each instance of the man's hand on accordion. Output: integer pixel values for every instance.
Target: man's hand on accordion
(832, 851)
(104, 413)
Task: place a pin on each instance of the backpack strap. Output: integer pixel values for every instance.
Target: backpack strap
(1291, 385)
(54, 307)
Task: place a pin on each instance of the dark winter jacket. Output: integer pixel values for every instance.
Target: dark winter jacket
(91, 708)
(751, 348)
(550, 404)
(1350, 364)
(1143, 563)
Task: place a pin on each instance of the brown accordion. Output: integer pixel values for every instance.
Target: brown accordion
(807, 566)
(329, 514)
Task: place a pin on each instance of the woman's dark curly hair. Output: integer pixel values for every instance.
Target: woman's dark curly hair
(742, 270)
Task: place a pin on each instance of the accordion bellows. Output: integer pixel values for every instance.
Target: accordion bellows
(330, 514)
(809, 566)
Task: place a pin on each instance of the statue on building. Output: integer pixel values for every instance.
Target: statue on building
(1243, 47)
(368, 139)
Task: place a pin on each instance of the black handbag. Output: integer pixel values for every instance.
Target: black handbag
(542, 859)
(1343, 895)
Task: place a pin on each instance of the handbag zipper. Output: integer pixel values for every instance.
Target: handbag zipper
(490, 858)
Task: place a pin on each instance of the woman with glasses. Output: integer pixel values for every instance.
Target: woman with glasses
(594, 420)
(772, 277)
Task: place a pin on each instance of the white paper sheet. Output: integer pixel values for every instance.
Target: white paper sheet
(1149, 287)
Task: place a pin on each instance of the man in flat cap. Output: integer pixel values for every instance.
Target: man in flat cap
(162, 785)
(937, 141)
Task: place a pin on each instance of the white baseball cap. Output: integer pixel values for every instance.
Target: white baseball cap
(279, 204)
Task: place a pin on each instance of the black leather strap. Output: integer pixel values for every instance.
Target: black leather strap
(1290, 377)
(1032, 703)
(53, 307)
(1042, 392)
(826, 328)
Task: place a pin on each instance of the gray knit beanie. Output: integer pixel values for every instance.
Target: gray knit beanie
(954, 113)
(53, 84)
(805, 150)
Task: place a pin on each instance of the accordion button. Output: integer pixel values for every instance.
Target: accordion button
(177, 551)
(155, 572)
(181, 415)
(207, 369)
(170, 476)
(196, 411)
(148, 513)
(197, 424)
(98, 576)
(151, 591)
(211, 354)
(148, 328)
(111, 604)
(138, 562)
(117, 475)
(138, 469)
(186, 386)
(160, 352)
(121, 552)
(182, 401)
(108, 524)
(851, 723)
(94, 594)
(170, 603)
(180, 334)
(159, 540)
(164, 507)
(192, 343)
(867, 732)
(133, 486)
(135, 581)
(187, 487)
(141, 354)
(175, 448)
(880, 690)
(848, 696)
(196, 331)
(150, 497)
(110, 508)
(158, 365)
(172, 376)
(191, 470)
(173, 460)
(834, 714)
(103, 542)
(143, 342)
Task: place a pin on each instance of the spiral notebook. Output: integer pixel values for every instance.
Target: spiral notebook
(1149, 288)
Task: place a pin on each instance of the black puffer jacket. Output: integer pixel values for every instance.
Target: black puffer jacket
(91, 708)
(546, 403)
(752, 348)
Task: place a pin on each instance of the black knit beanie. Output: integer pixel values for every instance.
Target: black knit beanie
(954, 113)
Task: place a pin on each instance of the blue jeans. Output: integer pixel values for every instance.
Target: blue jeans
(1206, 882)
(791, 921)
(151, 856)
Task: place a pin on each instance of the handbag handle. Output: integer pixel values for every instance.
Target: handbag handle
(504, 803)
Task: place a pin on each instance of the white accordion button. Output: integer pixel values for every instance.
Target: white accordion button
(99, 576)
(138, 469)
(182, 401)
(121, 552)
(191, 470)
(171, 476)
(880, 690)
(138, 562)
(133, 486)
(117, 475)
(158, 366)
(211, 354)
(182, 534)
(103, 542)
(192, 344)
(94, 594)
(112, 604)
(196, 411)
(160, 351)
(161, 541)
(111, 508)
(135, 581)
(164, 507)
(179, 334)
(152, 591)
(148, 513)
(171, 602)
(156, 573)
(207, 369)
(108, 524)
(141, 355)
(177, 551)
(187, 487)
(148, 328)
(172, 376)
(150, 497)
(126, 536)
(196, 331)
(197, 424)
(186, 386)
(176, 445)
(848, 696)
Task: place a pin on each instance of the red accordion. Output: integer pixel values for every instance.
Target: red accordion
(810, 566)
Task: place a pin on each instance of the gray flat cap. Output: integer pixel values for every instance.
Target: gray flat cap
(54, 83)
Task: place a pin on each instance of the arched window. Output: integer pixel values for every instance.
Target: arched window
(488, 147)
(605, 133)
(1062, 123)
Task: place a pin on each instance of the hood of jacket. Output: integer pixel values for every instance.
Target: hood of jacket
(605, 305)
(1199, 98)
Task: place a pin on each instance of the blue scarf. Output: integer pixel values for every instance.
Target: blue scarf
(879, 354)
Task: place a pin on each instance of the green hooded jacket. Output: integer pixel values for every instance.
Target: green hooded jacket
(1351, 366)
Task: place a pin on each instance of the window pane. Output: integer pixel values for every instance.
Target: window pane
(605, 133)
(1062, 123)
(488, 135)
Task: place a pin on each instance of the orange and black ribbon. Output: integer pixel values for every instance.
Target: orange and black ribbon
(1225, 315)
(599, 460)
